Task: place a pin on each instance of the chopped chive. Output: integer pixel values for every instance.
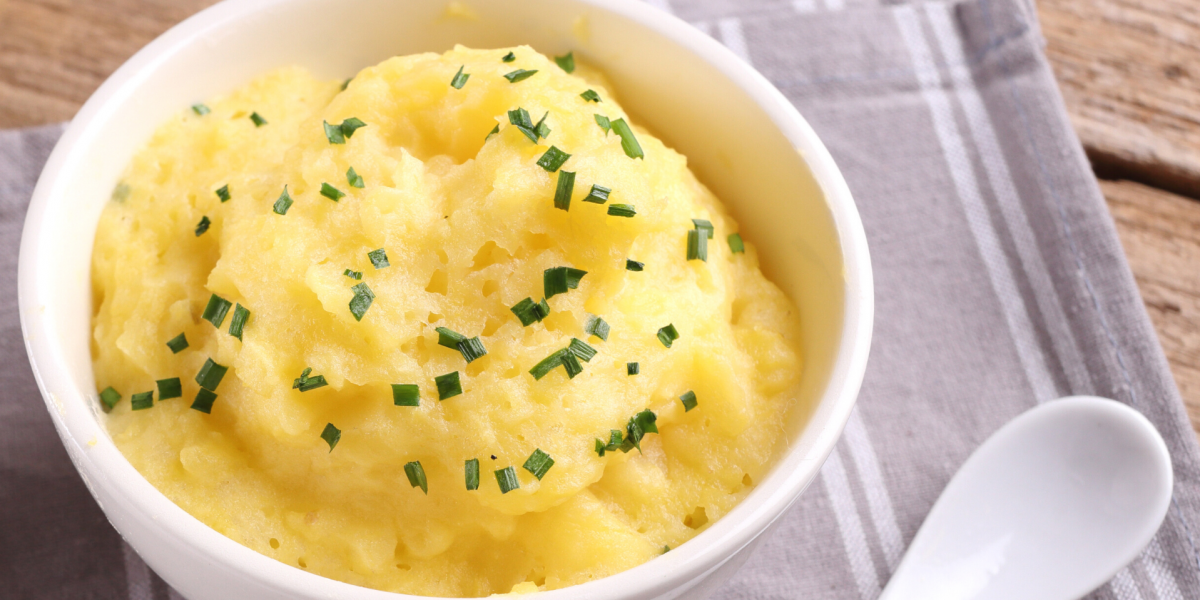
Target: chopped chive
(331, 192)
(591, 96)
(597, 327)
(582, 350)
(548, 364)
(202, 226)
(258, 120)
(554, 281)
(121, 192)
(223, 193)
(210, 375)
(406, 394)
(600, 448)
(141, 401)
(354, 179)
(449, 338)
(530, 312)
(629, 143)
(598, 194)
(507, 479)
(562, 194)
(542, 129)
(570, 362)
(200, 109)
(216, 310)
(666, 549)
(169, 388)
(697, 245)
(283, 203)
(622, 210)
(204, 401)
(604, 123)
(519, 75)
(704, 225)
(553, 159)
(361, 300)
(333, 133)
(538, 463)
(633, 265)
(416, 476)
(346, 83)
(331, 435)
(667, 335)
(494, 131)
(349, 126)
(509, 57)
(574, 276)
(448, 385)
(471, 349)
(637, 428)
(471, 467)
(566, 63)
(632, 368)
(241, 314)
(178, 343)
(379, 258)
(305, 383)
(110, 397)
(519, 117)
(735, 244)
(689, 400)
(615, 441)
(356, 275)
(460, 78)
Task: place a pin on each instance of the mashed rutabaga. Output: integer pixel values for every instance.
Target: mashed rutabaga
(262, 212)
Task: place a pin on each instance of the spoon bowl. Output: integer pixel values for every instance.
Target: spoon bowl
(1050, 507)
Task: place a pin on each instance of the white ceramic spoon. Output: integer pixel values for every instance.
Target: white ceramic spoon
(1048, 508)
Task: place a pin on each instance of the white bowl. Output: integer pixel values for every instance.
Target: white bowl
(743, 138)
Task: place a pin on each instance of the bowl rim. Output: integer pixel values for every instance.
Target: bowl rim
(673, 571)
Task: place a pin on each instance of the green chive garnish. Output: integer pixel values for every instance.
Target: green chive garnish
(305, 383)
(538, 463)
(200, 109)
(141, 401)
(110, 397)
(240, 315)
(361, 300)
(494, 131)
(471, 349)
(558, 280)
(202, 226)
(604, 123)
(590, 96)
(406, 394)
(633, 265)
(210, 375)
(331, 435)
(637, 428)
(354, 179)
(349, 126)
(597, 327)
(333, 133)
(223, 193)
(507, 479)
(615, 440)
(460, 78)
(598, 195)
(169, 388)
(689, 400)
(704, 225)
(204, 401)
(258, 120)
(582, 350)
(570, 362)
(735, 243)
(283, 203)
(621, 210)
(519, 75)
(553, 159)
(548, 364)
(519, 118)
(331, 192)
(379, 258)
(629, 143)
(448, 385)
(356, 275)
(216, 310)
(667, 335)
(416, 476)
(542, 129)
(562, 194)
(346, 83)
(509, 57)
(566, 63)
(632, 368)
(666, 549)
(697, 245)
(530, 312)
(177, 344)
(449, 338)
(471, 467)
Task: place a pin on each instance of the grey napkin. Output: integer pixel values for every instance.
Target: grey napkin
(1000, 283)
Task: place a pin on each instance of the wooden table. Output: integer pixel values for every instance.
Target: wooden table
(1129, 71)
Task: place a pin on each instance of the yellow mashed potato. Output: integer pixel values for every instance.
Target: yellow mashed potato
(469, 226)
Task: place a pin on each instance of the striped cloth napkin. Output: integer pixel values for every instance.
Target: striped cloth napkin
(1000, 284)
